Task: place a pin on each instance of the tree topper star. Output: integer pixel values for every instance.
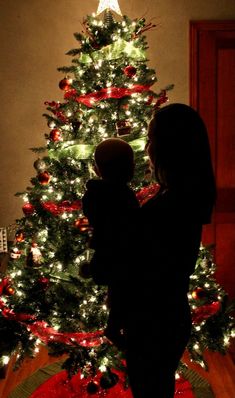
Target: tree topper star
(108, 4)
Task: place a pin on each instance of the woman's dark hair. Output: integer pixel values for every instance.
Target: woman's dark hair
(181, 156)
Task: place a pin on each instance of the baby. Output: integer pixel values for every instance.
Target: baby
(110, 206)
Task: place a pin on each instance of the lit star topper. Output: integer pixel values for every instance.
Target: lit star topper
(108, 4)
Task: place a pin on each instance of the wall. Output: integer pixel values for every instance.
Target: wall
(35, 35)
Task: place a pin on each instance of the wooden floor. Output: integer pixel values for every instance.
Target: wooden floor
(221, 373)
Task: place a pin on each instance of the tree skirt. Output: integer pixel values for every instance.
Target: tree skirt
(51, 382)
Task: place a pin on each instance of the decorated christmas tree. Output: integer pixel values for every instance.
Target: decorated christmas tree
(47, 295)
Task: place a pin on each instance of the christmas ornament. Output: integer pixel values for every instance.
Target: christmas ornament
(34, 257)
(65, 84)
(130, 71)
(161, 100)
(150, 100)
(43, 282)
(28, 209)
(51, 124)
(108, 5)
(82, 223)
(108, 380)
(39, 165)
(9, 291)
(53, 104)
(198, 293)
(123, 127)
(19, 236)
(3, 285)
(44, 178)
(92, 387)
(55, 135)
(15, 253)
(76, 125)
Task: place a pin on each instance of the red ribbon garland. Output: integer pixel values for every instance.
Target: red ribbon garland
(205, 311)
(105, 93)
(46, 333)
(146, 193)
(65, 206)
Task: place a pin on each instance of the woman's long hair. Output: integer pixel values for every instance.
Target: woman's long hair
(182, 159)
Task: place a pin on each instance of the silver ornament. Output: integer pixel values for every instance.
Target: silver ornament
(39, 165)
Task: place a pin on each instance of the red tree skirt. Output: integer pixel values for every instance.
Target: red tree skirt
(58, 386)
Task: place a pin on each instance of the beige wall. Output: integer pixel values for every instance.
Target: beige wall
(34, 36)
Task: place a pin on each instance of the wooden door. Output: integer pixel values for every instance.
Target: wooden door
(212, 93)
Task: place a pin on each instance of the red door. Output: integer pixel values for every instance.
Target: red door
(212, 93)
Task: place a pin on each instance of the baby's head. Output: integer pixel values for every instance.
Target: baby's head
(114, 160)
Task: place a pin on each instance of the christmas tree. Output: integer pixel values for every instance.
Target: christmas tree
(47, 295)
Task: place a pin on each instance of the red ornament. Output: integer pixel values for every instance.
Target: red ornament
(9, 291)
(82, 223)
(92, 387)
(130, 71)
(28, 209)
(55, 135)
(65, 84)
(3, 284)
(161, 100)
(19, 236)
(150, 100)
(5, 287)
(198, 293)
(44, 178)
(44, 282)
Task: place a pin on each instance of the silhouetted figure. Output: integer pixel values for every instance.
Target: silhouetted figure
(158, 320)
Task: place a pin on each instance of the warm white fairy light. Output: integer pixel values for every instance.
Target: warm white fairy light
(226, 340)
(25, 198)
(102, 368)
(101, 129)
(197, 328)
(92, 299)
(5, 359)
